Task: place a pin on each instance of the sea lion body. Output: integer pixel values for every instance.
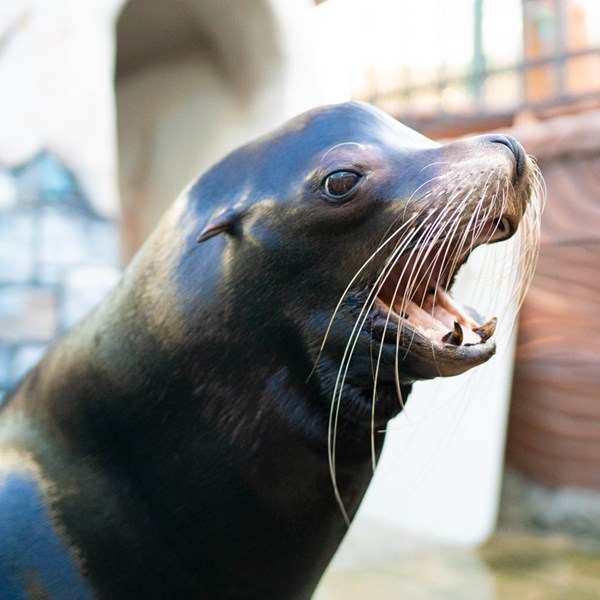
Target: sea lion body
(179, 442)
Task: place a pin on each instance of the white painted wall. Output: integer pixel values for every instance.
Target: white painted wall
(441, 469)
(56, 71)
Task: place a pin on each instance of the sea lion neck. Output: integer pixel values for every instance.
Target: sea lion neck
(125, 384)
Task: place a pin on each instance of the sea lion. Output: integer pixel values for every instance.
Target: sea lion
(182, 441)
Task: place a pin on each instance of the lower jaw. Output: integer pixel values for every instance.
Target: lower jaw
(410, 355)
(439, 319)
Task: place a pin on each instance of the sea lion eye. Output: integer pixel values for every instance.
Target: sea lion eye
(341, 183)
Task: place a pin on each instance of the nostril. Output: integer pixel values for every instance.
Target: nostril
(504, 226)
(515, 148)
(501, 225)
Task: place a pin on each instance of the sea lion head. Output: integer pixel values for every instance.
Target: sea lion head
(331, 246)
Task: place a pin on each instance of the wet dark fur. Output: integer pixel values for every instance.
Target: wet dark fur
(178, 438)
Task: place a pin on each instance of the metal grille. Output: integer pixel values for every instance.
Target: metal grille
(557, 63)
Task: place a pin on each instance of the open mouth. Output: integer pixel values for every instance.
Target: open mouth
(415, 290)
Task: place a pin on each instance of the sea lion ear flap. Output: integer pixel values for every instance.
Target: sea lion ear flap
(221, 223)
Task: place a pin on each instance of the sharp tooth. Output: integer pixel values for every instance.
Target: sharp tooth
(454, 337)
(486, 331)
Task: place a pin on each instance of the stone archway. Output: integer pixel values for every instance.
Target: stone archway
(195, 79)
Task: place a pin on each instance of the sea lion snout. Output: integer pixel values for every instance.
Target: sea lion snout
(516, 150)
(495, 166)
